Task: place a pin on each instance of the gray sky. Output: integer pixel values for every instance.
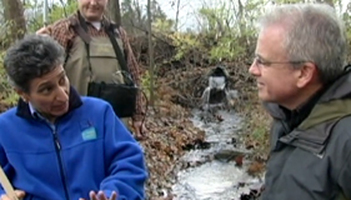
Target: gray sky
(187, 13)
(189, 8)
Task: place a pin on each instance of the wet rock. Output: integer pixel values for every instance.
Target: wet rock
(255, 168)
(241, 184)
(228, 155)
(239, 161)
(219, 118)
(233, 141)
(250, 147)
(197, 144)
(196, 158)
(247, 197)
(255, 192)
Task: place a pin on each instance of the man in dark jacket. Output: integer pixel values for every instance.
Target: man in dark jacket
(302, 79)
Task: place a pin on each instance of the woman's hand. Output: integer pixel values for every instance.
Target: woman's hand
(100, 196)
(19, 194)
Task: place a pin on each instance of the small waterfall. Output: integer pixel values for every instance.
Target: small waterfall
(216, 93)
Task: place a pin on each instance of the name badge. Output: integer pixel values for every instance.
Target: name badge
(89, 134)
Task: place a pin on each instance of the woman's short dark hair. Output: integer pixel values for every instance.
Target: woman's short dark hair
(32, 57)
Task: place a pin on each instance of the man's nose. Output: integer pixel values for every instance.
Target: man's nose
(93, 2)
(254, 70)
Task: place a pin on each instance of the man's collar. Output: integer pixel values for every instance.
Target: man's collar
(104, 20)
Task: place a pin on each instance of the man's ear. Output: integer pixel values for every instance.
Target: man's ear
(23, 95)
(306, 74)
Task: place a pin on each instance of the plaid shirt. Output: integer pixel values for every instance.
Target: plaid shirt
(64, 34)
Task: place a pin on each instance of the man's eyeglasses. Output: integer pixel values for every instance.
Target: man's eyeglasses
(263, 63)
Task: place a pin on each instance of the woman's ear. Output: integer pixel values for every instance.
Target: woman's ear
(22, 94)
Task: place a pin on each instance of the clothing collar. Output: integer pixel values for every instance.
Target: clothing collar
(27, 111)
(295, 117)
(104, 20)
(282, 113)
(338, 89)
(31, 109)
(34, 113)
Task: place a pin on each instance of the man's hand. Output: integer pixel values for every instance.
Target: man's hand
(19, 193)
(139, 129)
(44, 31)
(101, 196)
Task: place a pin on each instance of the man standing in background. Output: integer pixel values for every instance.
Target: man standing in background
(99, 54)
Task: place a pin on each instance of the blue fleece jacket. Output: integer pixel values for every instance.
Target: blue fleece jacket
(87, 149)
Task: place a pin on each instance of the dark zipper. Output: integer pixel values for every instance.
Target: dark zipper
(59, 158)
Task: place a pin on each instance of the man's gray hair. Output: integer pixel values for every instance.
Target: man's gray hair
(314, 33)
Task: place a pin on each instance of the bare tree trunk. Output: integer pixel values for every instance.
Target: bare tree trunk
(13, 14)
(151, 54)
(114, 11)
(177, 16)
(240, 18)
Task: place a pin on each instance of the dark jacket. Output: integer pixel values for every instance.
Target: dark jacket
(310, 154)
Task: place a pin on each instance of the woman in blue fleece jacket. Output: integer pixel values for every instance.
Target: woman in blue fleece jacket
(56, 145)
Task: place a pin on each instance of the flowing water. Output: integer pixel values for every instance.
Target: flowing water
(213, 173)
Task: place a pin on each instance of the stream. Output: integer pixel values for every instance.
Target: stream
(214, 171)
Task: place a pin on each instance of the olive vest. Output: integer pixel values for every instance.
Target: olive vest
(100, 65)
